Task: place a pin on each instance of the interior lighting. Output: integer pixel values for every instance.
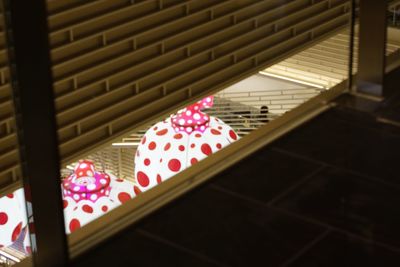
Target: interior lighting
(292, 80)
(126, 144)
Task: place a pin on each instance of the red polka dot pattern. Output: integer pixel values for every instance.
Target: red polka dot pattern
(215, 132)
(159, 180)
(152, 145)
(162, 132)
(3, 218)
(232, 134)
(74, 225)
(79, 212)
(137, 190)
(142, 179)
(147, 162)
(174, 165)
(206, 149)
(16, 232)
(123, 197)
(179, 148)
(12, 217)
(87, 209)
(178, 136)
(167, 146)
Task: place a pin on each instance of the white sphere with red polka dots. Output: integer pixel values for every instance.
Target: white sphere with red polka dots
(166, 149)
(99, 192)
(12, 217)
(84, 212)
(122, 190)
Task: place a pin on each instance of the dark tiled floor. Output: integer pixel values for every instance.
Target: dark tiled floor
(231, 230)
(391, 108)
(265, 175)
(350, 140)
(338, 250)
(134, 248)
(326, 194)
(362, 206)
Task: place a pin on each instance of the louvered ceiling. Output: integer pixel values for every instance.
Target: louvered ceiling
(326, 63)
(118, 65)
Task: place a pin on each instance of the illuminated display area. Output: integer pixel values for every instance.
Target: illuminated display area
(13, 222)
(89, 190)
(110, 176)
(89, 194)
(107, 178)
(178, 142)
(102, 181)
(167, 148)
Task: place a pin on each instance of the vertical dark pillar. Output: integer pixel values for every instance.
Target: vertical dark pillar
(372, 45)
(352, 25)
(28, 42)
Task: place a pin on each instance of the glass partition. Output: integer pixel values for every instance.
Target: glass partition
(144, 90)
(106, 76)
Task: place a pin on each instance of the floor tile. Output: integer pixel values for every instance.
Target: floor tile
(338, 250)
(332, 139)
(231, 230)
(390, 108)
(134, 249)
(362, 119)
(362, 206)
(265, 174)
(357, 103)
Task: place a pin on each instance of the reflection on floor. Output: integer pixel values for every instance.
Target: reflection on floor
(326, 194)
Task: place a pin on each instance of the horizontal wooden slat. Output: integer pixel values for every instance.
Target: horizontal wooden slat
(144, 78)
(121, 64)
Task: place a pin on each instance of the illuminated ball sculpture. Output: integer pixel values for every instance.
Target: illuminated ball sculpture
(86, 184)
(180, 141)
(89, 194)
(13, 217)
